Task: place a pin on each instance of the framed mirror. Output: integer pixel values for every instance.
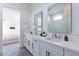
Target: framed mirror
(38, 22)
(59, 18)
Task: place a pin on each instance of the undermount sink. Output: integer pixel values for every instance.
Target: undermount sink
(56, 40)
(48, 38)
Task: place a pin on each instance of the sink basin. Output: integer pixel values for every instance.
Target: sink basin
(48, 38)
(55, 40)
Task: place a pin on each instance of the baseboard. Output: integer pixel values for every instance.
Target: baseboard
(7, 42)
(10, 43)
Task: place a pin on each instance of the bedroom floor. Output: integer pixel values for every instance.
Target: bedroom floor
(15, 50)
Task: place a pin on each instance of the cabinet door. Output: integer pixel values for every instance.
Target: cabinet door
(29, 44)
(53, 50)
(27, 41)
(35, 48)
(46, 52)
(68, 52)
(42, 51)
(52, 53)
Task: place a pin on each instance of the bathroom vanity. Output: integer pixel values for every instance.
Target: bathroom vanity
(43, 46)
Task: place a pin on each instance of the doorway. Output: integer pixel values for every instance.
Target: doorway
(11, 28)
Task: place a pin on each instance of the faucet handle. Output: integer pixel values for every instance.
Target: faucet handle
(52, 35)
(55, 35)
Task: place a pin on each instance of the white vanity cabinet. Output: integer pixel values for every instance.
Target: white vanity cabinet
(41, 47)
(32, 44)
(69, 52)
(48, 49)
(42, 50)
(35, 47)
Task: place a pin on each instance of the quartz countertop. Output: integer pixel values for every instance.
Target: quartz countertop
(72, 45)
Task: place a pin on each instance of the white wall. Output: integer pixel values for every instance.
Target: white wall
(75, 18)
(44, 8)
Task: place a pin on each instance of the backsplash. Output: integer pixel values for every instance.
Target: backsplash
(56, 36)
(61, 36)
(73, 37)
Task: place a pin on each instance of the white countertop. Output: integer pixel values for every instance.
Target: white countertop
(72, 45)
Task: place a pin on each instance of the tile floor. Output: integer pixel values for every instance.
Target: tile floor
(15, 50)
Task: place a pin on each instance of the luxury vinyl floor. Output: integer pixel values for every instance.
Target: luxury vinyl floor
(15, 50)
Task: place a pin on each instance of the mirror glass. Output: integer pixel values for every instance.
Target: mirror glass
(59, 18)
(38, 22)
